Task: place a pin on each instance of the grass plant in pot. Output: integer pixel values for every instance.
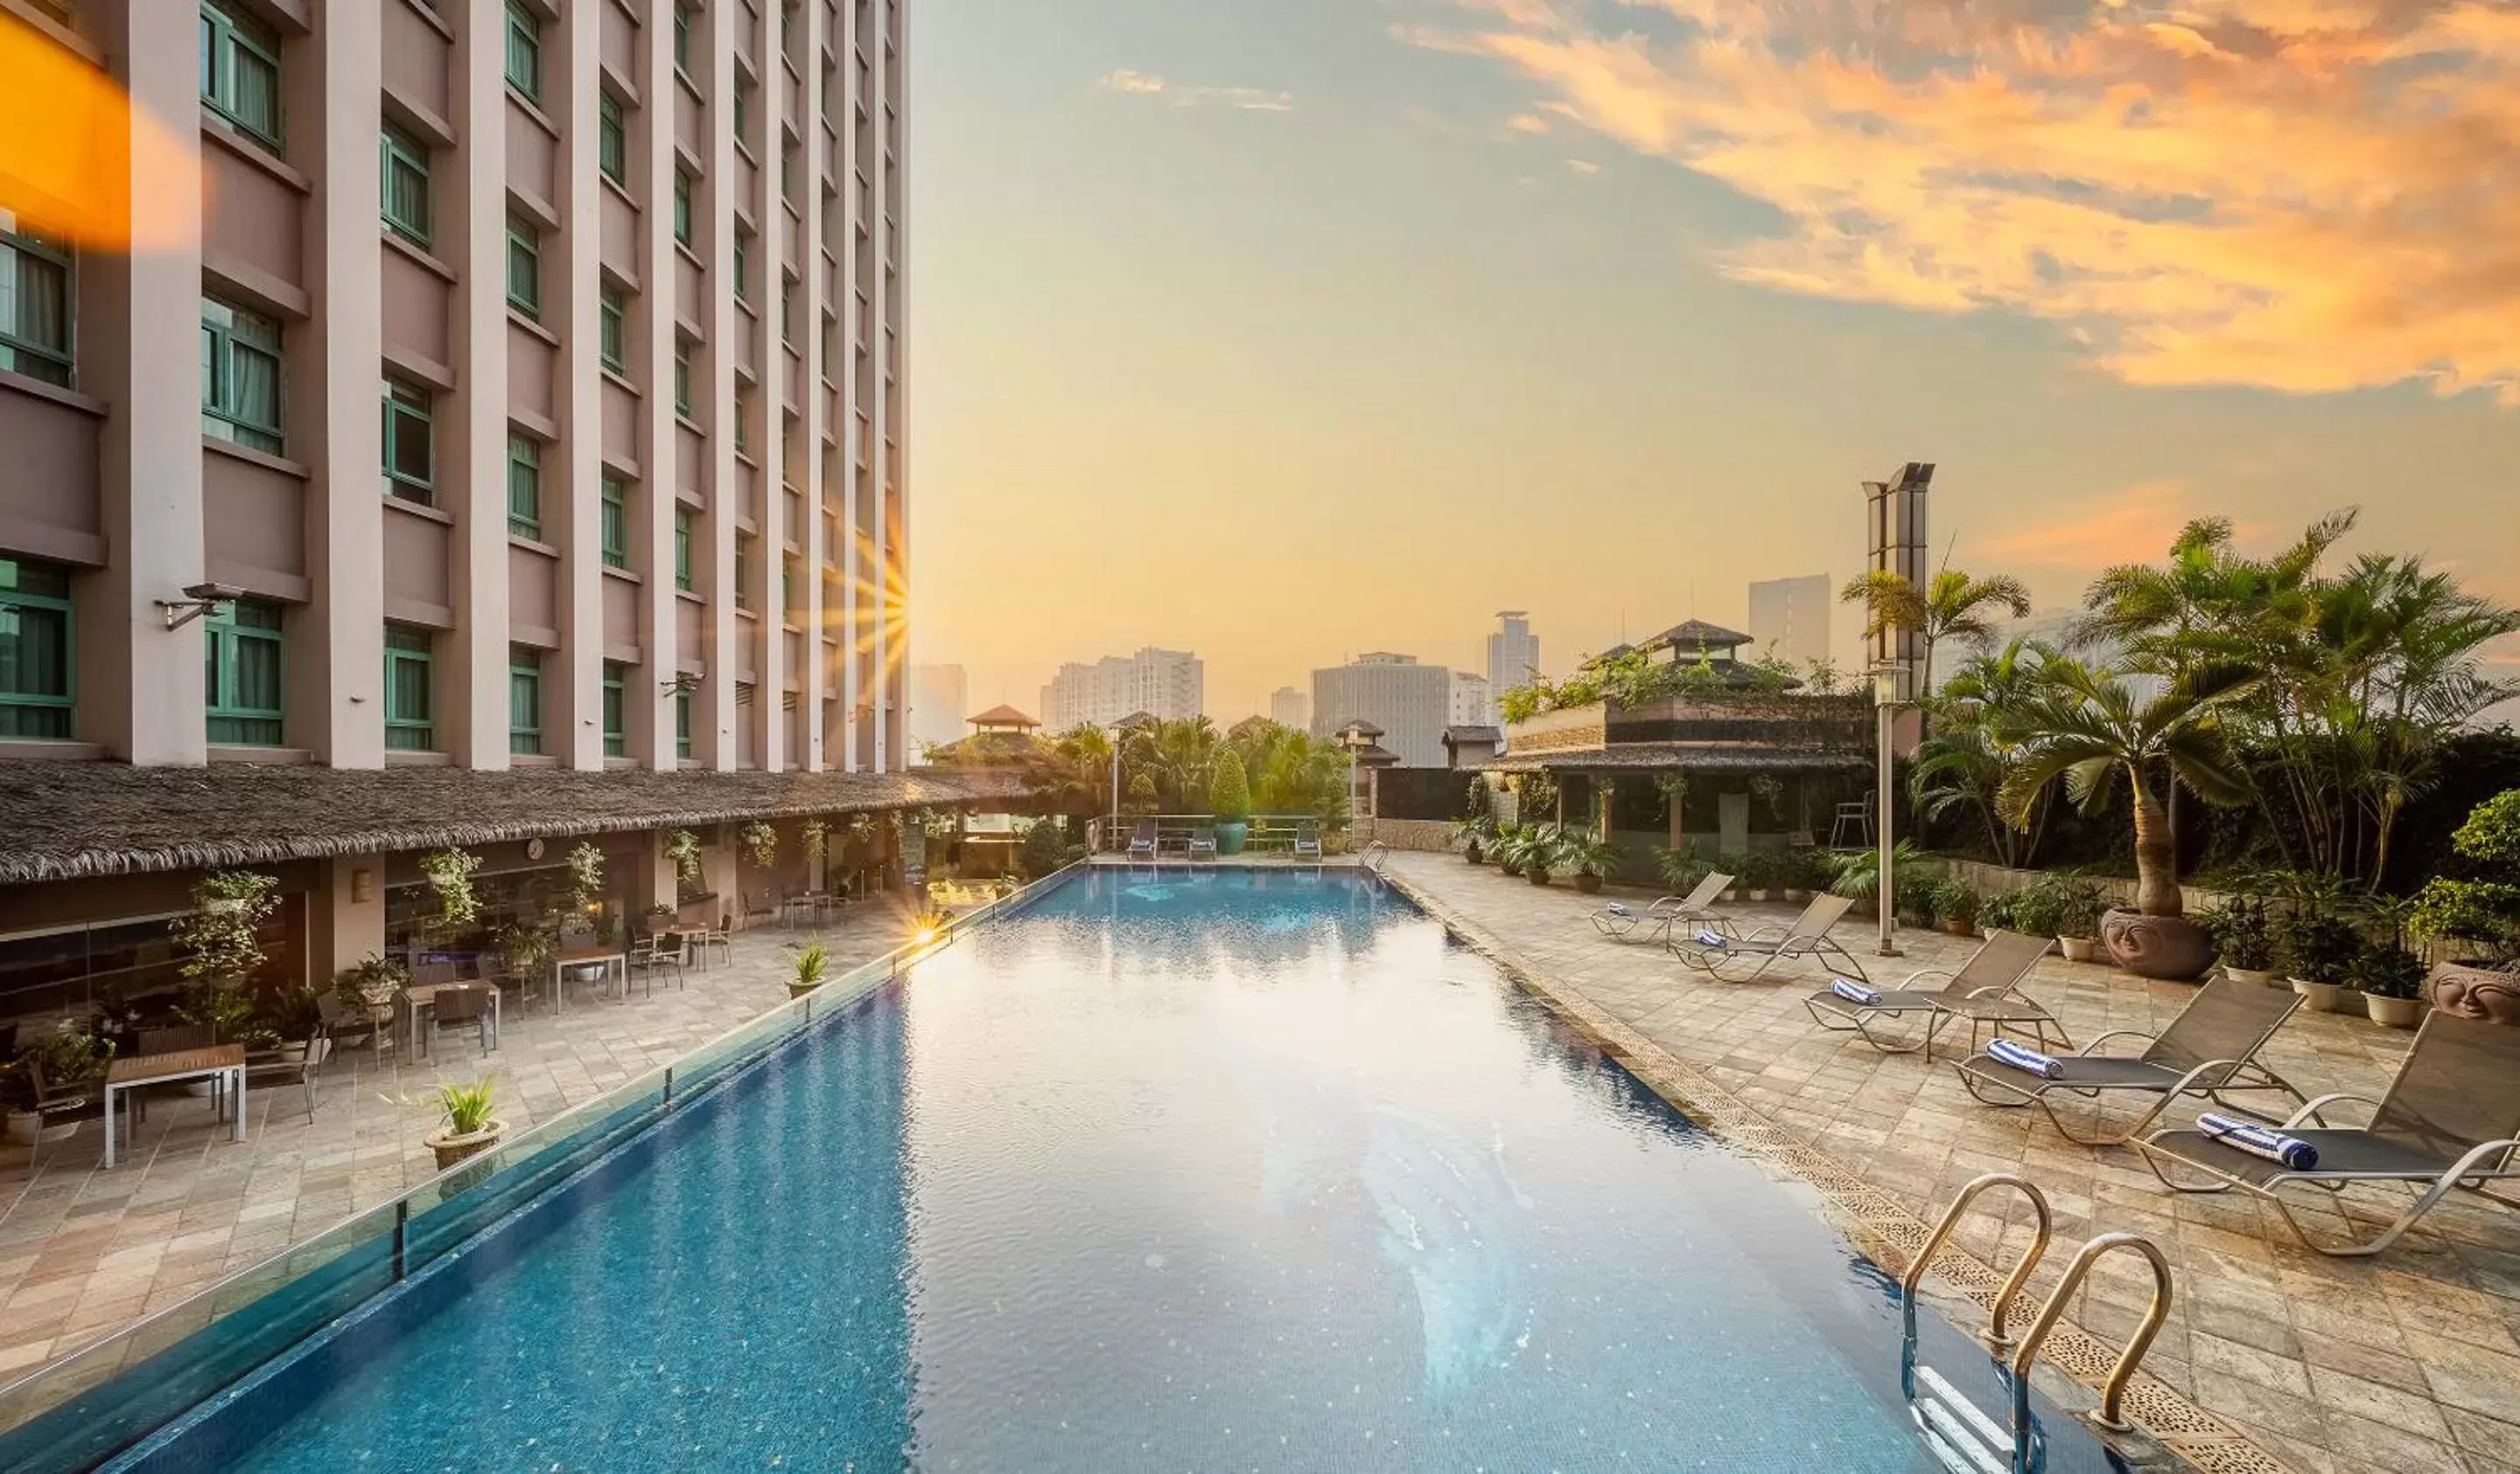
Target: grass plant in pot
(1856, 874)
(1535, 852)
(2244, 938)
(2318, 948)
(1589, 858)
(812, 959)
(2066, 908)
(468, 1127)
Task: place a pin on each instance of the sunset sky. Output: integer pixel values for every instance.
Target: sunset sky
(1286, 331)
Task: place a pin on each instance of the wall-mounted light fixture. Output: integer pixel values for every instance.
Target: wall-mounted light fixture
(198, 599)
(363, 886)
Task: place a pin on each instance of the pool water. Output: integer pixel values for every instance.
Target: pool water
(1225, 1170)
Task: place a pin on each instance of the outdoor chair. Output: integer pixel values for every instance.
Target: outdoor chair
(1202, 844)
(2210, 1049)
(57, 1098)
(1654, 921)
(1718, 946)
(342, 1023)
(468, 1005)
(281, 1071)
(1985, 989)
(1142, 845)
(1308, 842)
(720, 936)
(757, 907)
(651, 954)
(1853, 815)
(2450, 1118)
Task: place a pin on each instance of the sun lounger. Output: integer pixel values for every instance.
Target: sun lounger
(1308, 842)
(1984, 990)
(1142, 845)
(2210, 1049)
(1654, 921)
(1719, 946)
(2450, 1120)
(1202, 844)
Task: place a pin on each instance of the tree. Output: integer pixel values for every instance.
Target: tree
(1962, 766)
(2087, 726)
(1228, 795)
(1954, 605)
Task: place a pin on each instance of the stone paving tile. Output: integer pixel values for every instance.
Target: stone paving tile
(84, 1252)
(2410, 1361)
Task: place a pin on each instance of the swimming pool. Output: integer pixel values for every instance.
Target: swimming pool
(1223, 1170)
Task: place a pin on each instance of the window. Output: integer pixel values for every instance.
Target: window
(616, 711)
(409, 452)
(742, 112)
(682, 208)
(35, 649)
(240, 71)
(524, 267)
(682, 721)
(524, 51)
(35, 305)
(788, 585)
(525, 485)
(240, 376)
(743, 266)
(788, 311)
(243, 673)
(404, 168)
(525, 699)
(683, 377)
(612, 327)
(616, 522)
(408, 704)
(744, 571)
(683, 547)
(682, 37)
(611, 139)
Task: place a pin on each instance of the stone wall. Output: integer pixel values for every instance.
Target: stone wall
(1432, 835)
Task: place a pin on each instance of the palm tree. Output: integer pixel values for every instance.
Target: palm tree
(2086, 725)
(1960, 766)
(1954, 604)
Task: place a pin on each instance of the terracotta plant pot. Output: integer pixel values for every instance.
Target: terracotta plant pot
(1960, 928)
(2254, 976)
(1536, 875)
(800, 989)
(2396, 1013)
(2078, 949)
(452, 1149)
(2169, 948)
(2324, 998)
(1588, 883)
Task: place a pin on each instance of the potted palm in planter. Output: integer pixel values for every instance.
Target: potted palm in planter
(1507, 846)
(811, 960)
(1591, 858)
(2244, 938)
(469, 1129)
(1530, 854)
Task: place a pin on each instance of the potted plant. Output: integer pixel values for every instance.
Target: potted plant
(1919, 901)
(525, 950)
(1591, 858)
(2244, 938)
(2318, 948)
(811, 959)
(1530, 854)
(585, 876)
(450, 874)
(70, 1057)
(1508, 848)
(1801, 872)
(761, 841)
(2481, 911)
(2066, 908)
(221, 937)
(1680, 870)
(1959, 901)
(294, 1017)
(468, 1127)
(1474, 833)
(1996, 914)
(683, 848)
(372, 981)
(1228, 801)
(2391, 980)
(1755, 870)
(1856, 874)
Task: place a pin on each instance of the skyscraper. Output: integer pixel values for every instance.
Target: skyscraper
(1166, 683)
(1513, 653)
(1472, 702)
(1289, 708)
(1790, 616)
(1407, 700)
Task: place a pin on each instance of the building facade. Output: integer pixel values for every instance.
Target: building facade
(1791, 617)
(527, 393)
(1513, 652)
(1409, 701)
(1472, 703)
(1290, 707)
(939, 695)
(1170, 684)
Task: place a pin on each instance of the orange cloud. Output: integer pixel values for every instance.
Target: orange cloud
(2301, 195)
(2133, 525)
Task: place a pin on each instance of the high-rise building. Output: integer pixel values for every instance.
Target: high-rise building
(518, 387)
(940, 696)
(1789, 617)
(1513, 653)
(1290, 707)
(1407, 700)
(1472, 702)
(1167, 683)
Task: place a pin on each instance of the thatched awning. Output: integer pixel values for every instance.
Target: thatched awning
(60, 820)
(1680, 756)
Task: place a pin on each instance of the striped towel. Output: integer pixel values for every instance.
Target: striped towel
(2259, 1141)
(1715, 939)
(1854, 992)
(1615, 908)
(2027, 1060)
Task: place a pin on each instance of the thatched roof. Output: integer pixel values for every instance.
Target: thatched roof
(1697, 634)
(59, 820)
(1002, 716)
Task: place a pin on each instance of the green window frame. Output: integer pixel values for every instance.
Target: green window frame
(38, 653)
(241, 385)
(682, 208)
(410, 701)
(526, 52)
(240, 73)
(525, 701)
(683, 377)
(742, 112)
(402, 170)
(743, 266)
(611, 139)
(525, 485)
(682, 721)
(616, 710)
(525, 267)
(245, 668)
(682, 37)
(35, 304)
(612, 326)
(616, 522)
(409, 443)
(744, 571)
(683, 548)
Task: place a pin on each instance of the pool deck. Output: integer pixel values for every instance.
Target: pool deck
(84, 1251)
(2405, 1362)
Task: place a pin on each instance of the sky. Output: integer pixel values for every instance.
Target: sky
(1285, 330)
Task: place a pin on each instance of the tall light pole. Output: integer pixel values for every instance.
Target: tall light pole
(1885, 714)
(1896, 523)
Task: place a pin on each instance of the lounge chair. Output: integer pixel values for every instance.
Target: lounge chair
(1142, 845)
(1308, 842)
(2210, 1049)
(1621, 922)
(1719, 946)
(1984, 990)
(1202, 844)
(284, 1071)
(2450, 1118)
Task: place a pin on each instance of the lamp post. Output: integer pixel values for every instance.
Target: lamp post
(1885, 712)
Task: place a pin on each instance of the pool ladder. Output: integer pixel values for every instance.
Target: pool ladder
(1959, 1433)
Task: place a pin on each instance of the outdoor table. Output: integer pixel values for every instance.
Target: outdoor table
(216, 1061)
(613, 957)
(813, 903)
(411, 999)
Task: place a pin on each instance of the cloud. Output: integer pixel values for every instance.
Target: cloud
(1583, 167)
(2301, 195)
(1242, 99)
(1526, 123)
(2135, 525)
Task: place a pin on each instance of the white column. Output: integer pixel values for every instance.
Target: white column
(814, 281)
(473, 439)
(856, 325)
(569, 278)
(714, 396)
(770, 394)
(649, 356)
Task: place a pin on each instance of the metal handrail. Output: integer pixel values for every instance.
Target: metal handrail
(2112, 1391)
(1915, 1275)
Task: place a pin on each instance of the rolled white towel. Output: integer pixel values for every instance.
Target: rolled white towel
(1854, 992)
(1715, 939)
(2027, 1060)
(2259, 1141)
(1616, 908)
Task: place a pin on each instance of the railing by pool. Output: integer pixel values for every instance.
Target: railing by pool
(78, 1410)
(1269, 833)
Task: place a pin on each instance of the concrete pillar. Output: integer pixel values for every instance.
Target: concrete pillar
(714, 396)
(346, 915)
(650, 358)
(472, 441)
(814, 423)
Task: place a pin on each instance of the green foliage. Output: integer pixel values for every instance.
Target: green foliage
(292, 1014)
(585, 876)
(2491, 833)
(1857, 873)
(2317, 945)
(1046, 849)
(761, 841)
(1478, 829)
(1680, 870)
(683, 848)
(2388, 972)
(2060, 906)
(2484, 908)
(1770, 791)
(2243, 932)
(1528, 847)
(1229, 793)
(220, 938)
(371, 981)
(466, 1108)
(69, 1055)
(527, 948)
(1141, 794)
(1996, 913)
(1581, 852)
(1758, 869)
(226, 1011)
(1955, 900)
(811, 960)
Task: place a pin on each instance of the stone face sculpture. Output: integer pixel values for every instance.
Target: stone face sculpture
(2476, 992)
(2170, 948)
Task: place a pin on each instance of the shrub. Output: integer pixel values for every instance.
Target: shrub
(1045, 850)
(2243, 932)
(1957, 900)
(1228, 792)
(1680, 870)
(2484, 908)
(2388, 972)
(1581, 852)
(1996, 913)
(2317, 946)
